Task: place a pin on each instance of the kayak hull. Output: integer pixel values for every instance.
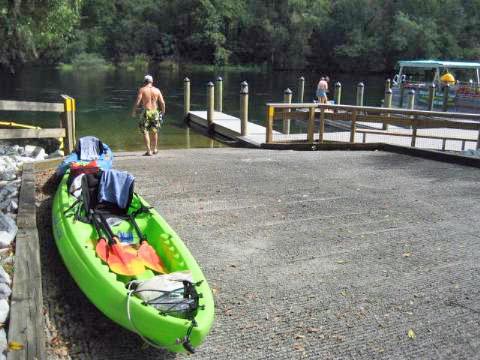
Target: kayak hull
(76, 243)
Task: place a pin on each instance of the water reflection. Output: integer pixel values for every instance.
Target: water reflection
(104, 99)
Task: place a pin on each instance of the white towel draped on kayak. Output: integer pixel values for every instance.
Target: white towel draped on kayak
(89, 148)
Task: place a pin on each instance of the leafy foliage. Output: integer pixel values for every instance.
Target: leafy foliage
(348, 35)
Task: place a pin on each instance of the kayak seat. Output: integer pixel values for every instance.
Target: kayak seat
(93, 202)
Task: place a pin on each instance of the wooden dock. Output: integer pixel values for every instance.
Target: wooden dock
(354, 124)
(230, 127)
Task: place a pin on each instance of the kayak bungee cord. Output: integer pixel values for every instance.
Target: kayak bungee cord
(185, 341)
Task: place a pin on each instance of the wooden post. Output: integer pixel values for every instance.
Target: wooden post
(360, 90)
(478, 139)
(321, 130)
(68, 124)
(446, 93)
(431, 96)
(388, 104)
(186, 97)
(387, 85)
(244, 109)
(414, 131)
(287, 98)
(210, 103)
(353, 127)
(270, 114)
(310, 126)
(411, 99)
(74, 121)
(301, 88)
(402, 91)
(219, 94)
(338, 93)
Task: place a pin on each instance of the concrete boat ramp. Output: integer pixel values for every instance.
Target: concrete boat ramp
(320, 255)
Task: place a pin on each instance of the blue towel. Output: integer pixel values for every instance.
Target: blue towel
(89, 148)
(114, 187)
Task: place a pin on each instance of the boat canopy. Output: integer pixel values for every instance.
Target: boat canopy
(432, 64)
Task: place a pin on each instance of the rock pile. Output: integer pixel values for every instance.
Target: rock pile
(11, 160)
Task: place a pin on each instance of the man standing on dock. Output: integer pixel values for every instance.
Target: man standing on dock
(151, 118)
(322, 89)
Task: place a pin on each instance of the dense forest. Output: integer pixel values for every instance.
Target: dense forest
(341, 35)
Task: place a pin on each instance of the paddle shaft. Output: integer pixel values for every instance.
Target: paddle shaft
(137, 228)
(97, 227)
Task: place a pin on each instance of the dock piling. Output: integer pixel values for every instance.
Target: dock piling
(301, 88)
(446, 93)
(219, 94)
(287, 98)
(186, 97)
(402, 92)
(431, 96)
(338, 93)
(210, 103)
(360, 91)
(244, 108)
(387, 85)
(387, 103)
(411, 99)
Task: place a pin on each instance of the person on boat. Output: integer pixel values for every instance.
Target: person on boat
(151, 99)
(322, 89)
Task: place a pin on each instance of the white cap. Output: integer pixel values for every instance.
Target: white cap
(148, 78)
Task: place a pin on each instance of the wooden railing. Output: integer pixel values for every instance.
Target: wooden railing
(66, 109)
(403, 118)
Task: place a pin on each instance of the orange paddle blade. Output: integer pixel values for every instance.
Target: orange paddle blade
(150, 258)
(102, 249)
(123, 262)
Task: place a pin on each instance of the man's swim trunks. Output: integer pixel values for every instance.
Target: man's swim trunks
(151, 120)
(321, 93)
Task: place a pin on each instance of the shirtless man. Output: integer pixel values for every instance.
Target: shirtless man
(151, 118)
(322, 89)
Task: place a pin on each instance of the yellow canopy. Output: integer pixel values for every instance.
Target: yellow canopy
(447, 78)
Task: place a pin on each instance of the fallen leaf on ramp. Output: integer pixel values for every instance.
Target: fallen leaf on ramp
(14, 346)
(411, 334)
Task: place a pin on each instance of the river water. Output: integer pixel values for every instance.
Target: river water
(105, 98)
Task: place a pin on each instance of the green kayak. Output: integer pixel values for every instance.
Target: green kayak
(109, 292)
